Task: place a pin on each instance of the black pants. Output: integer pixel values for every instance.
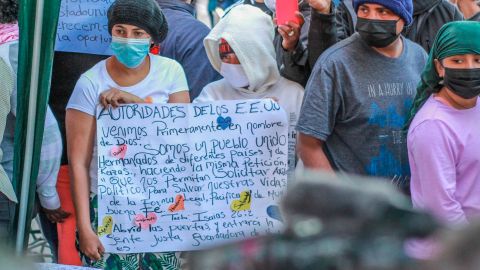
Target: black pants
(7, 211)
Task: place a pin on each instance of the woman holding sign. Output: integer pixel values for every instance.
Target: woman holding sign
(131, 75)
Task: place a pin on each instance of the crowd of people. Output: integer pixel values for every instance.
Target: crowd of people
(380, 88)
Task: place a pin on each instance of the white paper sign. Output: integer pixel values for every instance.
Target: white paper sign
(186, 177)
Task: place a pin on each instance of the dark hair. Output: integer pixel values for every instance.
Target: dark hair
(8, 11)
(435, 89)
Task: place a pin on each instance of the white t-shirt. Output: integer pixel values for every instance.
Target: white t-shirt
(166, 77)
(288, 93)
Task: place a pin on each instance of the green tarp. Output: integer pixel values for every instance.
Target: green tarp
(38, 24)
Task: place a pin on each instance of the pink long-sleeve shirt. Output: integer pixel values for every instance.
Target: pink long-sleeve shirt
(444, 154)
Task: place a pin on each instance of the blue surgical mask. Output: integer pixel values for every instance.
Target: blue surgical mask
(131, 52)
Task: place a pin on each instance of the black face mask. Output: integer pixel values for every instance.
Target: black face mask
(377, 33)
(463, 82)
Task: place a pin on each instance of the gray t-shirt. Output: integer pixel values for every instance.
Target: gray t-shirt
(357, 102)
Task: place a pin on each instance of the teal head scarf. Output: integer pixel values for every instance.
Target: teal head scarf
(455, 38)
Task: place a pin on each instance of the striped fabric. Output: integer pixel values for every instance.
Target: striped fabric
(8, 32)
(6, 89)
(50, 158)
(51, 151)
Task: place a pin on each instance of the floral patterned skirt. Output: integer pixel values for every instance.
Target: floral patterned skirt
(134, 261)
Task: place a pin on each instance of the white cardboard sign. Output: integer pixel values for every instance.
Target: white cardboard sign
(179, 177)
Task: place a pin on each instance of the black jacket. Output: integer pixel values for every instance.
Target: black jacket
(429, 16)
(67, 68)
(328, 29)
(297, 65)
(184, 43)
(294, 65)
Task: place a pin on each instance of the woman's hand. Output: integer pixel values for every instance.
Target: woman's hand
(56, 215)
(90, 245)
(115, 97)
(290, 32)
(273, 98)
(179, 97)
(80, 129)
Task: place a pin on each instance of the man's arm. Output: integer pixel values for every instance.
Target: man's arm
(321, 105)
(311, 152)
(329, 25)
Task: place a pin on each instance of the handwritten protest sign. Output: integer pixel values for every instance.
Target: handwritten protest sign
(185, 177)
(83, 27)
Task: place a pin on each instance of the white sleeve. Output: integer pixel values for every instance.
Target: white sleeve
(50, 159)
(179, 80)
(84, 97)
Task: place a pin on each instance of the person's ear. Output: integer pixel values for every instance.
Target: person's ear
(400, 26)
(439, 68)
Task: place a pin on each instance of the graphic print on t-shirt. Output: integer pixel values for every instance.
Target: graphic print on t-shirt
(389, 119)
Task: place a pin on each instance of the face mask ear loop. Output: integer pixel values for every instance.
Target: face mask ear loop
(441, 64)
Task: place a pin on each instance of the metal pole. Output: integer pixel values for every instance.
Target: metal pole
(31, 122)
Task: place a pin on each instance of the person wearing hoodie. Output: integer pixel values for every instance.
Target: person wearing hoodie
(246, 60)
(359, 95)
(331, 24)
(469, 8)
(184, 43)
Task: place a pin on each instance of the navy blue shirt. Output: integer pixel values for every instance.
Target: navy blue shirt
(184, 43)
